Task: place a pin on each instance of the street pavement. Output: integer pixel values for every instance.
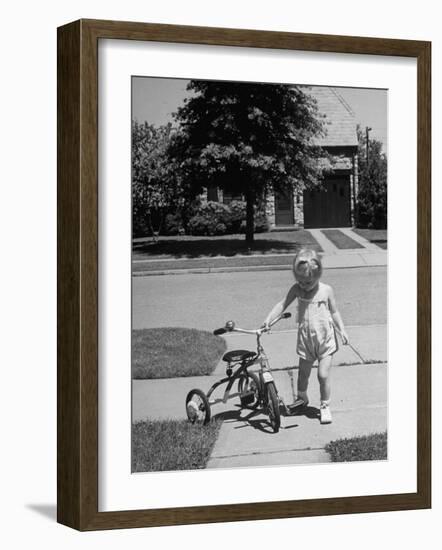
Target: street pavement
(207, 301)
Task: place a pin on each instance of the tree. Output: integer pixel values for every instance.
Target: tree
(248, 138)
(372, 195)
(155, 182)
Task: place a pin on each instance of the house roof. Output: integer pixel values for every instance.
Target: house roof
(340, 120)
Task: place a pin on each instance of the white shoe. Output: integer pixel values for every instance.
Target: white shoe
(325, 412)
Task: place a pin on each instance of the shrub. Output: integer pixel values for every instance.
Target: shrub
(235, 216)
(372, 209)
(201, 225)
(372, 195)
(261, 222)
(209, 219)
(215, 218)
(173, 225)
(140, 226)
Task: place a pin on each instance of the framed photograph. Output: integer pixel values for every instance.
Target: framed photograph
(243, 275)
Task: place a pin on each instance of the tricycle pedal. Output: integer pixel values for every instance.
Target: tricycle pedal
(247, 398)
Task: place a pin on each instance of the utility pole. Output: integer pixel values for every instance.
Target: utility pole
(367, 129)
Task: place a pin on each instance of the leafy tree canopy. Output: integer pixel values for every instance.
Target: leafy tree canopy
(248, 138)
(155, 181)
(372, 196)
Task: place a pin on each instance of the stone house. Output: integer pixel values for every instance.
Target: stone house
(333, 205)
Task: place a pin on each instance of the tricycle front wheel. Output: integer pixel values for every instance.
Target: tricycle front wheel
(273, 407)
(197, 407)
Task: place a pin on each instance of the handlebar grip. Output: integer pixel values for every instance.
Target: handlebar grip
(219, 331)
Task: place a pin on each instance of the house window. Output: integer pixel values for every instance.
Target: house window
(228, 197)
(212, 193)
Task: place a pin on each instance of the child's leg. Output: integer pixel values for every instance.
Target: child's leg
(324, 368)
(305, 368)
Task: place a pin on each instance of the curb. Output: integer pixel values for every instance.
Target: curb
(233, 269)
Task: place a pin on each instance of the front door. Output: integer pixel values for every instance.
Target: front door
(284, 208)
(328, 206)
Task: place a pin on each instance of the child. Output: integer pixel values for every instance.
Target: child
(317, 318)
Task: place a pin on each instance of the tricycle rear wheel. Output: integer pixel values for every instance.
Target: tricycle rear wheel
(197, 407)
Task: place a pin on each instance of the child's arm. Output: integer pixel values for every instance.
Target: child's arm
(336, 316)
(280, 307)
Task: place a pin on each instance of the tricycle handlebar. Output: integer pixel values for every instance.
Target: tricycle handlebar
(230, 327)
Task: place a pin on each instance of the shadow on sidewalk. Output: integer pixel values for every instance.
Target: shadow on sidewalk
(309, 412)
(258, 420)
(255, 418)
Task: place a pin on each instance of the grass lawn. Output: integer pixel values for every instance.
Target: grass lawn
(370, 447)
(375, 236)
(174, 352)
(340, 239)
(165, 445)
(211, 263)
(272, 242)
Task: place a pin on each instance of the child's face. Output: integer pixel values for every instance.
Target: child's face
(307, 281)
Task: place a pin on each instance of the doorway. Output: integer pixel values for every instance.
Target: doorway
(284, 212)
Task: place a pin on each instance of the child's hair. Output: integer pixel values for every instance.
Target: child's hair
(307, 262)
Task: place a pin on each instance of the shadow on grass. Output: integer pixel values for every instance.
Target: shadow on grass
(375, 236)
(380, 243)
(182, 247)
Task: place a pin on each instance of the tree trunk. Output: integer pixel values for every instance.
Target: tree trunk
(250, 203)
(159, 219)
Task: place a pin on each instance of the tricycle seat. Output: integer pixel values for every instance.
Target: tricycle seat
(238, 355)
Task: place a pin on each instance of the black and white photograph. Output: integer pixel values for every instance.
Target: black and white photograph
(259, 274)
(220, 241)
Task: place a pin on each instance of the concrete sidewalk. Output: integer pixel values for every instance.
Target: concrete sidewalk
(359, 406)
(359, 402)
